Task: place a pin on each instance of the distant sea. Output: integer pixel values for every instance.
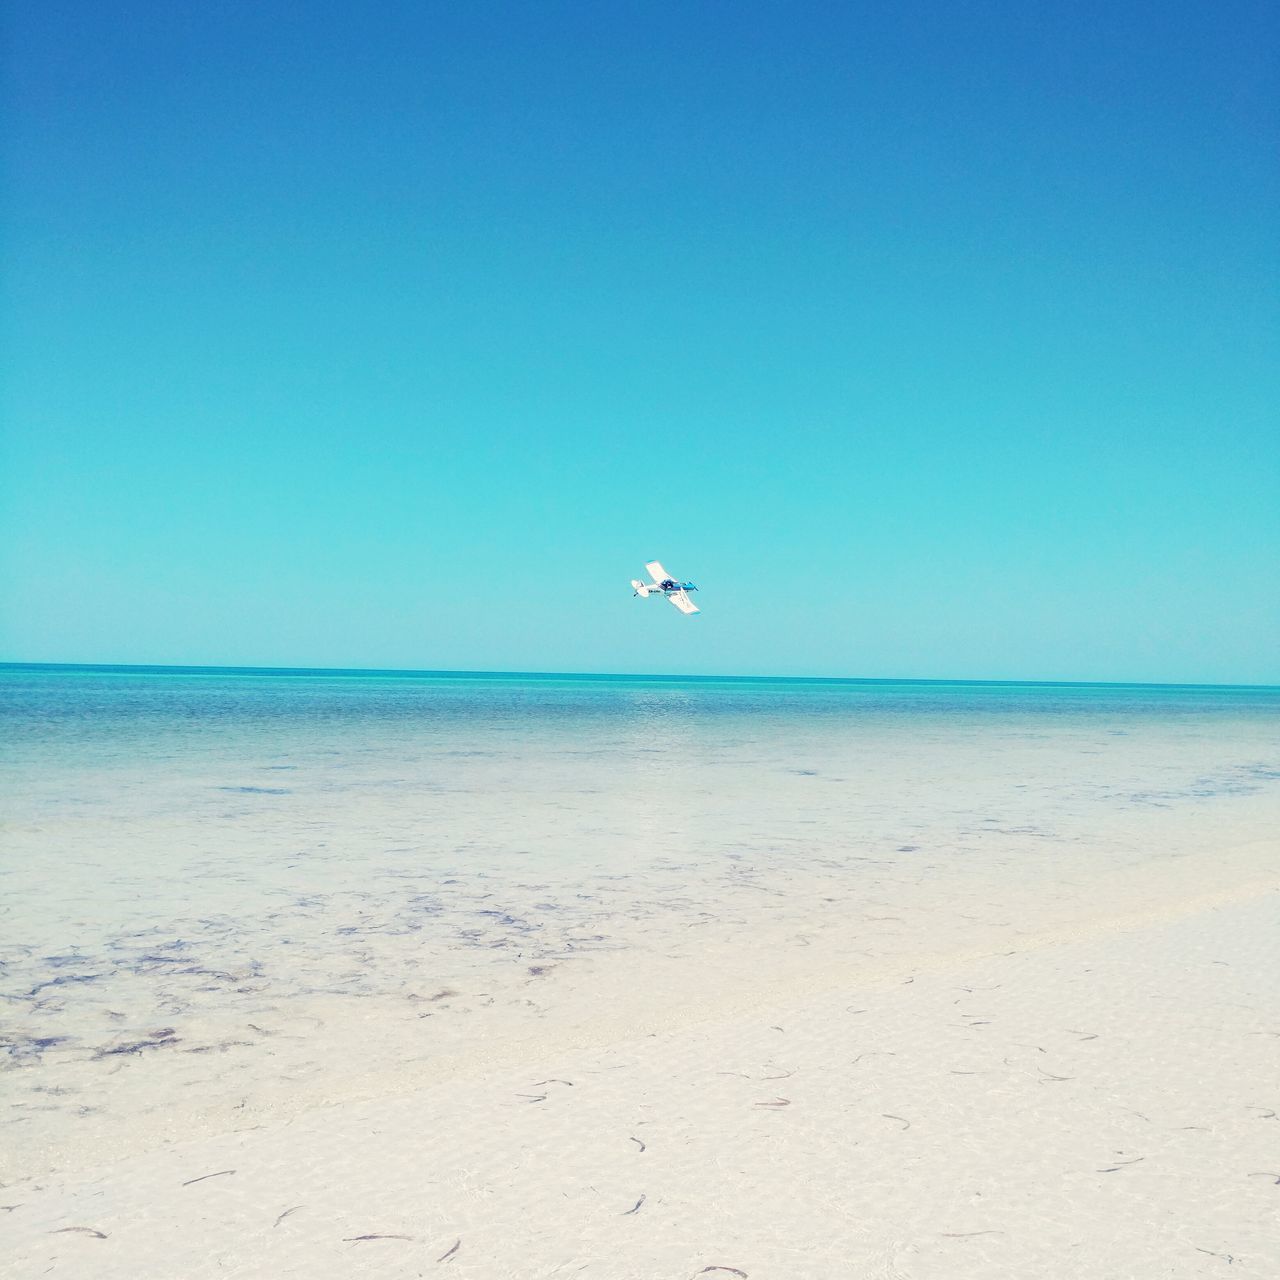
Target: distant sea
(191, 853)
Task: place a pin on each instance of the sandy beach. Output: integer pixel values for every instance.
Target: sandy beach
(1100, 1102)
(1024, 1020)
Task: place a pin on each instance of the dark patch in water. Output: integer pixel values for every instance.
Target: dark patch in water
(26, 1048)
(63, 980)
(258, 791)
(222, 1047)
(156, 1040)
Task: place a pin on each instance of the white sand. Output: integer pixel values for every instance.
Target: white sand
(1076, 1083)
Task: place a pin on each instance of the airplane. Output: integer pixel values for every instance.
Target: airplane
(665, 584)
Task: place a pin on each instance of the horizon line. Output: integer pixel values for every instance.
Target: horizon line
(209, 669)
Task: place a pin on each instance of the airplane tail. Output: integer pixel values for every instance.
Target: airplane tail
(640, 588)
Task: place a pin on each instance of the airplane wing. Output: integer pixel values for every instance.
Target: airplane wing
(682, 602)
(656, 571)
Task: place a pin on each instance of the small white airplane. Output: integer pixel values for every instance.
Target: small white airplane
(664, 584)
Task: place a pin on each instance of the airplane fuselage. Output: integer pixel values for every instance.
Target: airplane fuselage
(661, 584)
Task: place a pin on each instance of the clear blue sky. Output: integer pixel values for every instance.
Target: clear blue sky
(929, 339)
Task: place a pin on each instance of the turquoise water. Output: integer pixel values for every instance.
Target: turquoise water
(195, 858)
(114, 712)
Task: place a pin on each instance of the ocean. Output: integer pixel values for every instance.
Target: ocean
(233, 894)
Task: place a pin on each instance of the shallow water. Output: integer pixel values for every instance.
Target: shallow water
(226, 893)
